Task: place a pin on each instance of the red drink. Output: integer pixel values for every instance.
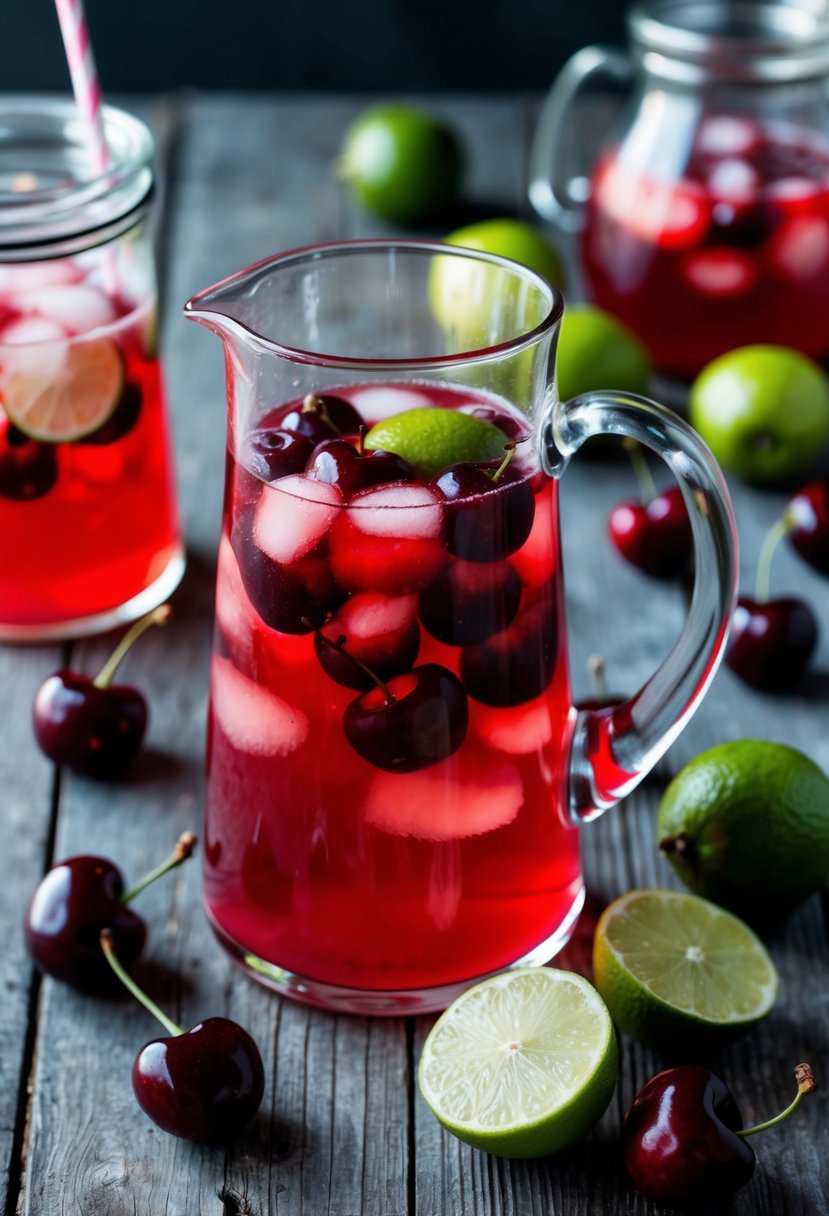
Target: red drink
(395, 872)
(89, 524)
(734, 252)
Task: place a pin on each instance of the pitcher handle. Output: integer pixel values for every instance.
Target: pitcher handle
(613, 748)
(548, 199)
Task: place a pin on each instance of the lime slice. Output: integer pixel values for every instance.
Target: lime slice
(674, 967)
(522, 1064)
(432, 438)
(70, 401)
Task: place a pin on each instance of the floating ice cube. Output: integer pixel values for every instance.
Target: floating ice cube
(467, 795)
(519, 731)
(253, 719)
(25, 276)
(734, 179)
(726, 135)
(800, 248)
(293, 516)
(79, 308)
(406, 512)
(793, 190)
(234, 611)
(382, 401)
(33, 344)
(367, 615)
(720, 272)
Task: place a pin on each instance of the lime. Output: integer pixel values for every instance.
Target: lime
(763, 411)
(522, 1064)
(512, 239)
(673, 967)
(401, 163)
(69, 401)
(431, 439)
(595, 351)
(746, 824)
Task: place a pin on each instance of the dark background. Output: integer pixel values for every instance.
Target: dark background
(392, 46)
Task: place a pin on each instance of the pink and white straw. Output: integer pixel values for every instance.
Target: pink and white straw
(85, 85)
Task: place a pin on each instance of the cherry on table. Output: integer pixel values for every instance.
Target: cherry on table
(74, 901)
(806, 520)
(653, 534)
(683, 1141)
(91, 725)
(203, 1084)
(488, 507)
(28, 469)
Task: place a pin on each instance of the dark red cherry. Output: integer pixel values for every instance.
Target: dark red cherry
(771, 642)
(415, 720)
(807, 520)
(91, 725)
(340, 463)
(317, 416)
(488, 510)
(62, 927)
(121, 420)
(510, 426)
(202, 1085)
(679, 1139)
(516, 664)
(375, 632)
(27, 469)
(468, 602)
(655, 536)
(274, 452)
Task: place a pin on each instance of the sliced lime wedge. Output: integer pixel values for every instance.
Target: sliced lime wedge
(522, 1064)
(431, 439)
(69, 401)
(673, 966)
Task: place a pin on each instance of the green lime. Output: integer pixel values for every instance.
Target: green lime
(67, 402)
(512, 239)
(431, 438)
(595, 351)
(746, 824)
(522, 1064)
(674, 967)
(763, 411)
(402, 163)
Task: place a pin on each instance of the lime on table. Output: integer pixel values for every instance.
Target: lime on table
(596, 351)
(431, 439)
(521, 1065)
(71, 401)
(675, 968)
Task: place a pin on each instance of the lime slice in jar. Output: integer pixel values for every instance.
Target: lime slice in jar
(73, 399)
(430, 439)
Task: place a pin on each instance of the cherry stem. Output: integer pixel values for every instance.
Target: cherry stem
(762, 584)
(184, 847)
(312, 404)
(108, 947)
(641, 469)
(509, 452)
(595, 668)
(158, 616)
(340, 646)
(806, 1084)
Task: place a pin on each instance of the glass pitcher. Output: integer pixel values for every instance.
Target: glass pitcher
(396, 771)
(703, 219)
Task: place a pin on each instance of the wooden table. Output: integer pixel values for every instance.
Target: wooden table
(342, 1130)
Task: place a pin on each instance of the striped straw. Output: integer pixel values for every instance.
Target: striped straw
(78, 48)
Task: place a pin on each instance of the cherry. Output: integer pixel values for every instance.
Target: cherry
(409, 722)
(682, 1139)
(772, 640)
(468, 602)
(489, 508)
(75, 900)
(319, 417)
(339, 463)
(806, 519)
(27, 469)
(275, 452)
(516, 664)
(655, 534)
(91, 725)
(203, 1084)
(368, 636)
(121, 420)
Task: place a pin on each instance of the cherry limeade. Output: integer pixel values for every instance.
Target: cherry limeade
(85, 525)
(734, 252)
(390, 708)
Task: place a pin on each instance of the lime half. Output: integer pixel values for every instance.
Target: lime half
(675, 967)
(70, 401)
(522, 1064)
(432, 438)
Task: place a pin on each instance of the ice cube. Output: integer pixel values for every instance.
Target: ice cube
(720, 272)
(234, 612)
(726, 135)
(800, 248)
(365, 616)
(405, 512)
(254, 719)
(734, 179)
(79, 308)
(382, 401)
(294, 516)
(519, 731)
(467, 795)
(25, 276)
(34, 344)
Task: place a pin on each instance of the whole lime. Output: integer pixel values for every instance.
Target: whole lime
(595, 351)
(401, 162)
(746, 824)
(512, 239)
(763, 411)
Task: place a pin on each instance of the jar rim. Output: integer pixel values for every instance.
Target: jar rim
(50, 193)
(759, 41)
